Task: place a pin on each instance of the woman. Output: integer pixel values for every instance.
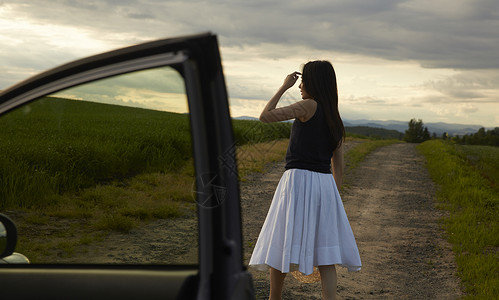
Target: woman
(306, 225)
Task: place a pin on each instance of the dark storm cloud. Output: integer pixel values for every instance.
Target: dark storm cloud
(460, 35)
(437, 34)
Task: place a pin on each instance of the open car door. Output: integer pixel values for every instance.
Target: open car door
(87, 149)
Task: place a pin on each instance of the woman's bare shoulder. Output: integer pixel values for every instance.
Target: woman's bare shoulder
(310, 106)
(309, 100)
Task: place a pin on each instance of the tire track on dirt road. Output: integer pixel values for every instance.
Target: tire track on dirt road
(390, 204)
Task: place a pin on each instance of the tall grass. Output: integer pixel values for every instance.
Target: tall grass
(484, 159)
(472, 225)
(56, 146)
(79, 170)
(252, 132)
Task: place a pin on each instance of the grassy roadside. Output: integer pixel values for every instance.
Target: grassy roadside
(254, 157)
(74, 171)
(357, 154)
(76, 221)
(472, 201)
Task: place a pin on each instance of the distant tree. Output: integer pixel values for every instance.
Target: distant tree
(480, 132)
(416, 133)
(445, 136)
(434, 136)
(426, 134)
(481, 137)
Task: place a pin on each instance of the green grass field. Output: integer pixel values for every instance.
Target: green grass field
(484, 159)
(63, 146)
(56, 146)
(81, 169)
(467, 180)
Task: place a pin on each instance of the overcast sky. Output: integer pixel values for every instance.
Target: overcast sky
(436, 60)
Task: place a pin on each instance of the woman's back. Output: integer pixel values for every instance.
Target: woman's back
(310, 146)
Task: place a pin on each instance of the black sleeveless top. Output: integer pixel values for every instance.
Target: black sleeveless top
(310, 146)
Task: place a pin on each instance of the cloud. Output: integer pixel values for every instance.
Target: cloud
(467, 86)
(262, 40)
(352, 100)
(30, 45)
(158, 89)
(436, 33)
(466, 108)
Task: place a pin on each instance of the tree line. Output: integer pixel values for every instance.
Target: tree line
(481, 137)
(418, 133)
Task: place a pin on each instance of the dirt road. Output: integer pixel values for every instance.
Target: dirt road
(389, 200)
(390, 204)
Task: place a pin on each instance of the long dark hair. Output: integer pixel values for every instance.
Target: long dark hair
(319, 80)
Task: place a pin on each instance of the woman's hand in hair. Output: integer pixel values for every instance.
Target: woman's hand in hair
(302, 110)
(291, 80)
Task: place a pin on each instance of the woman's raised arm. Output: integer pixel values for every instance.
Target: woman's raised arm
(302, 110)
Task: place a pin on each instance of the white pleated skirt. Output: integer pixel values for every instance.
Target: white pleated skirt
(306, 226)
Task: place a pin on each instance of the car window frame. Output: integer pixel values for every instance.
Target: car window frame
(221, 273)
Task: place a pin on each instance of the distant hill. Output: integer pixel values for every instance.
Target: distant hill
(452, 129)
(359, 130)
(401, 126)
(245, 118)
(379, 133)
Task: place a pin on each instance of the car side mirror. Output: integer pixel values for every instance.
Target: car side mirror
(8, 236)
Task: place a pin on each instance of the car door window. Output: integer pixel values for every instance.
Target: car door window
(103, 173)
